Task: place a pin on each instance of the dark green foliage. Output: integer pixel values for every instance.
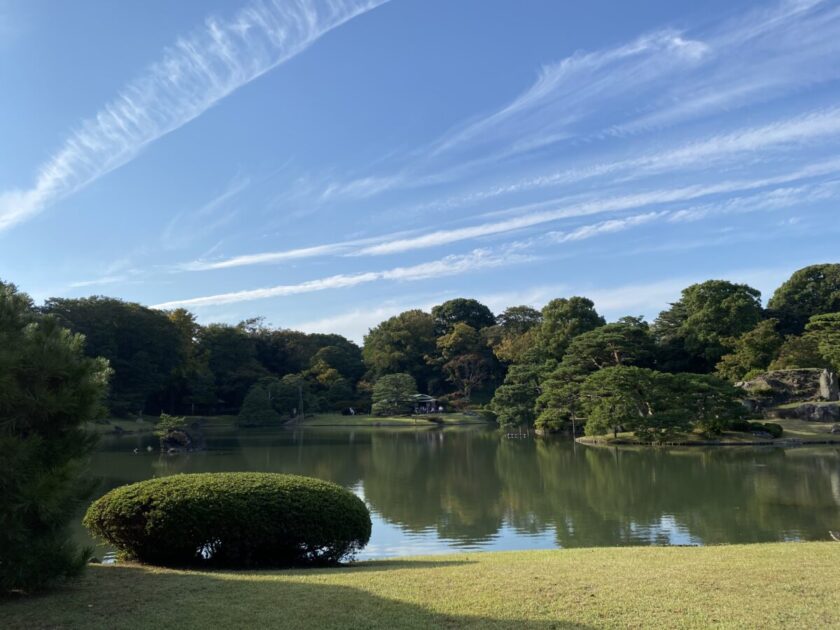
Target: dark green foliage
(513, 338)
(553, 420)
(656, 406)
(707, 401)
(232, 360)
(461, 311)
(257, 410)
(562, 320)
(632, 399)
(392, 394)
(825, 331)
(799, 351)
(142, 345)
(774, 429)
(48, 390)
(745, 426)
(271, 399)
(515, 399)
(697, 330)
(559, 403)
(625, 342)
(402, 344)
(752, 352)
(232, 520)
(517, 320)
(810, 291)
(739, 424)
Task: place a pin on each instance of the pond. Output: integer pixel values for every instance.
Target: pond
(466, 489)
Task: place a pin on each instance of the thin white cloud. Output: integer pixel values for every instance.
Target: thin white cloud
(597, 206)
(97, 281)
(185, 227)
(812, 128)
(448, 266)
(588, 96)
(264, 258)
(356, 323)
(556, 210)
(195, 73)
(605, 227)
(763, 54)
(639, 298)
(563, 92)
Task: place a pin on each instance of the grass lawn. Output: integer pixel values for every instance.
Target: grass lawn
(807, 432)
(784, 585)
(336, 419)
(147, 425)
(804, 430)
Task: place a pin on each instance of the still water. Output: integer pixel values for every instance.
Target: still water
(433, 491)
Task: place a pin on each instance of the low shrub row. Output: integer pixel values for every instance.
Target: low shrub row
(775, 430)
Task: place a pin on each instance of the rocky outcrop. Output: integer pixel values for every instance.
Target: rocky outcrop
(811, 412)
(780, 387)
(181, 441)
(829, 388)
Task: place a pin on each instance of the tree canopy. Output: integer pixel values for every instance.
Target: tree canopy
(701, 324)
(393, 394)
(461, 311)
(810, 291)
(401, 344)
(563, 319)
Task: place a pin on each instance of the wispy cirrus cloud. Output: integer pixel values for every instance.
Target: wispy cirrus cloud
(763, 141)
(447, 266)
(550, 211)
(185, 227)
(656, 80)
(595, 206)
(193, 74)
(758, 56)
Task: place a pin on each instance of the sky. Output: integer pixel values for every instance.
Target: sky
(326, 164)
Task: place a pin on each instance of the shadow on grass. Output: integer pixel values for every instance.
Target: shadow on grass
(371, 566)
(138, 597)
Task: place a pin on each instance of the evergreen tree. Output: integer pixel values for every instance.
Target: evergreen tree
(48, 390)
(392, 394)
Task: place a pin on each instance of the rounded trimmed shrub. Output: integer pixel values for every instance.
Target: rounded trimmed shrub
(232, 520)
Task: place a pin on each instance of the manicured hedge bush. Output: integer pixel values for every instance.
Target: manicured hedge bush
(776, 430)
(232, 520)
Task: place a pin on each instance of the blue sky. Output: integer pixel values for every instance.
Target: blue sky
(329, 163)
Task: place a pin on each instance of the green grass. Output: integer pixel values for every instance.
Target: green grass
(131, 425)
(338, 420)
(816, 403)
(786, 585)
(807, 432)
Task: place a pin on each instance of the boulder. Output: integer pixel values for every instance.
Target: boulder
(829, 388)
(181, 441)
(835, 429)
(779, 387)
(811, 412)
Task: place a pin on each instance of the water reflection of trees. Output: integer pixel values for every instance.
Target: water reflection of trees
(466, 485)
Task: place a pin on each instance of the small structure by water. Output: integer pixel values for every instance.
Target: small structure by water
(423, 403)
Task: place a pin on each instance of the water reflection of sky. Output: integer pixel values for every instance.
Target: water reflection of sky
(465, 491)
(390, 540)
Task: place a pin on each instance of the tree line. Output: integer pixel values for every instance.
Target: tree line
(547, 368)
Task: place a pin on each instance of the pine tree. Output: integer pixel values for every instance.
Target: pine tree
(48, 390)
